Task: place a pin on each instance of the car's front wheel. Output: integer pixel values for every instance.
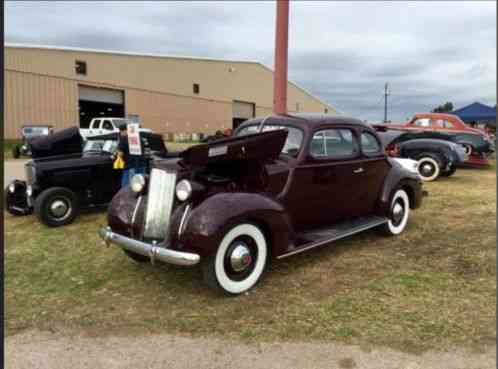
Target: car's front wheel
(398, 213)
(239, 262)
(56, 207)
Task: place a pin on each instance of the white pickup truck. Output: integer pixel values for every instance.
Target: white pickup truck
(100, 126)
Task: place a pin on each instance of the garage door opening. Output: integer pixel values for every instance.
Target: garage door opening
(241, 111)
(99, 102)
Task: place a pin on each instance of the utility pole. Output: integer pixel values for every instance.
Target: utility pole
(386, 93)
(281, 48)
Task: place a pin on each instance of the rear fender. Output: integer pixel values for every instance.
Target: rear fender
(209, 221)
(414, 148)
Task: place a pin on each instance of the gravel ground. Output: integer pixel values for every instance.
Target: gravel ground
(13, 169)
(37, 349)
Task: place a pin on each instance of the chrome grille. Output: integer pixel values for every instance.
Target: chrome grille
(30, 173)
(159, 204)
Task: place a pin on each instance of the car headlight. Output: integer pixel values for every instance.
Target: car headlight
(12, 188)
(137, 183)
(183, 190)
(29, 191)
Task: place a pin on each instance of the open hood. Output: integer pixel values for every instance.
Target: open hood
(64, 142)
(255, 147)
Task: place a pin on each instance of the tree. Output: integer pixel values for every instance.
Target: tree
(445, 108)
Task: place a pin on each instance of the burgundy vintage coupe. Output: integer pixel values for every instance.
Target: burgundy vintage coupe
(280, 186)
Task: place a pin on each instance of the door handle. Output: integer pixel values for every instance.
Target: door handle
(359, 170)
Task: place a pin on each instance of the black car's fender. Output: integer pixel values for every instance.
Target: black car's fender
(209, 221)
(413, 149)
(400, 178)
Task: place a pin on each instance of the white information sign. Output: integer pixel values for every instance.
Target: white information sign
(134, 139)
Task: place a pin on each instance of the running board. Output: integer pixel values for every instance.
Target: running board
(322, 236)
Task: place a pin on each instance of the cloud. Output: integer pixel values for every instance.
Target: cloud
(343, 52)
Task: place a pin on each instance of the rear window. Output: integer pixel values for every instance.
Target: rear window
(369, 144)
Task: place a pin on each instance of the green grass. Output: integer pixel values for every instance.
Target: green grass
(434, 286)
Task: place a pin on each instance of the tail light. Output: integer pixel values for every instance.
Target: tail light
(392, 150)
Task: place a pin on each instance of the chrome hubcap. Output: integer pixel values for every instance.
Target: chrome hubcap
(241, 257)
(398, 213)
(59, 208)
(427, 168)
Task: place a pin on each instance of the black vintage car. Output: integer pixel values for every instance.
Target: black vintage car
(30, 132)
(68, 173)
(434, 157)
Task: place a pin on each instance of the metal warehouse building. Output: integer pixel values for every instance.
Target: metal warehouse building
(69, 86)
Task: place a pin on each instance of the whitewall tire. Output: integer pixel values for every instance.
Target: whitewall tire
(399, 212)
(239, 262)
(468, 149)
(428, 168)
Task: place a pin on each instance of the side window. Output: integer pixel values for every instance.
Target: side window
(369, 144)
(438, 123)
(95, 124)
(448, 124)
(422, 122)
(333, 143)
(107, 125)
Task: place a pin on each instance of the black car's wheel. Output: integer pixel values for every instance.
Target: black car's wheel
(56, 206)
(16, 152)
(399, 212)
(429, 167)
(239, 262)
(137, 257)
(449, 172)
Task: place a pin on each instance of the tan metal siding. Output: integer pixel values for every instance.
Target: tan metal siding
(249, 82)
(167, 113)
(30, 98)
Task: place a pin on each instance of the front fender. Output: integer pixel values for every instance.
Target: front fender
(399, 177)
(210, 220)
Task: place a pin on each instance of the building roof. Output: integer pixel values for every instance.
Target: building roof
(154, 55)
(476, 112)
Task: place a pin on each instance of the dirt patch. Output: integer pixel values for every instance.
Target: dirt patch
(60, 351)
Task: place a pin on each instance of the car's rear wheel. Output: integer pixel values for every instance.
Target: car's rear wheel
(239, 262)
(399, 212)
(56, 206)
(16, 153)
(450, 171)
(468, 148)
(429, 167)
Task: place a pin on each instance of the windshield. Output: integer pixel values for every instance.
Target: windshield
(118, 122)
(35, 131)
(292, 143)
(100, 145)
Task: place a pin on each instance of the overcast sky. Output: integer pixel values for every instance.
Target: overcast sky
(342, 52)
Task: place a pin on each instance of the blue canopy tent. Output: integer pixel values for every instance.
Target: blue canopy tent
(477, 112)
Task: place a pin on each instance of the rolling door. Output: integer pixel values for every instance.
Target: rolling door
(97, 102)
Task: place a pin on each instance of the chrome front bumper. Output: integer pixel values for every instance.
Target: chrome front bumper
(154, 252)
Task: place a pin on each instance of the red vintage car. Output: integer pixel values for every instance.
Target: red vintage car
(280, 186)
(478, 144)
